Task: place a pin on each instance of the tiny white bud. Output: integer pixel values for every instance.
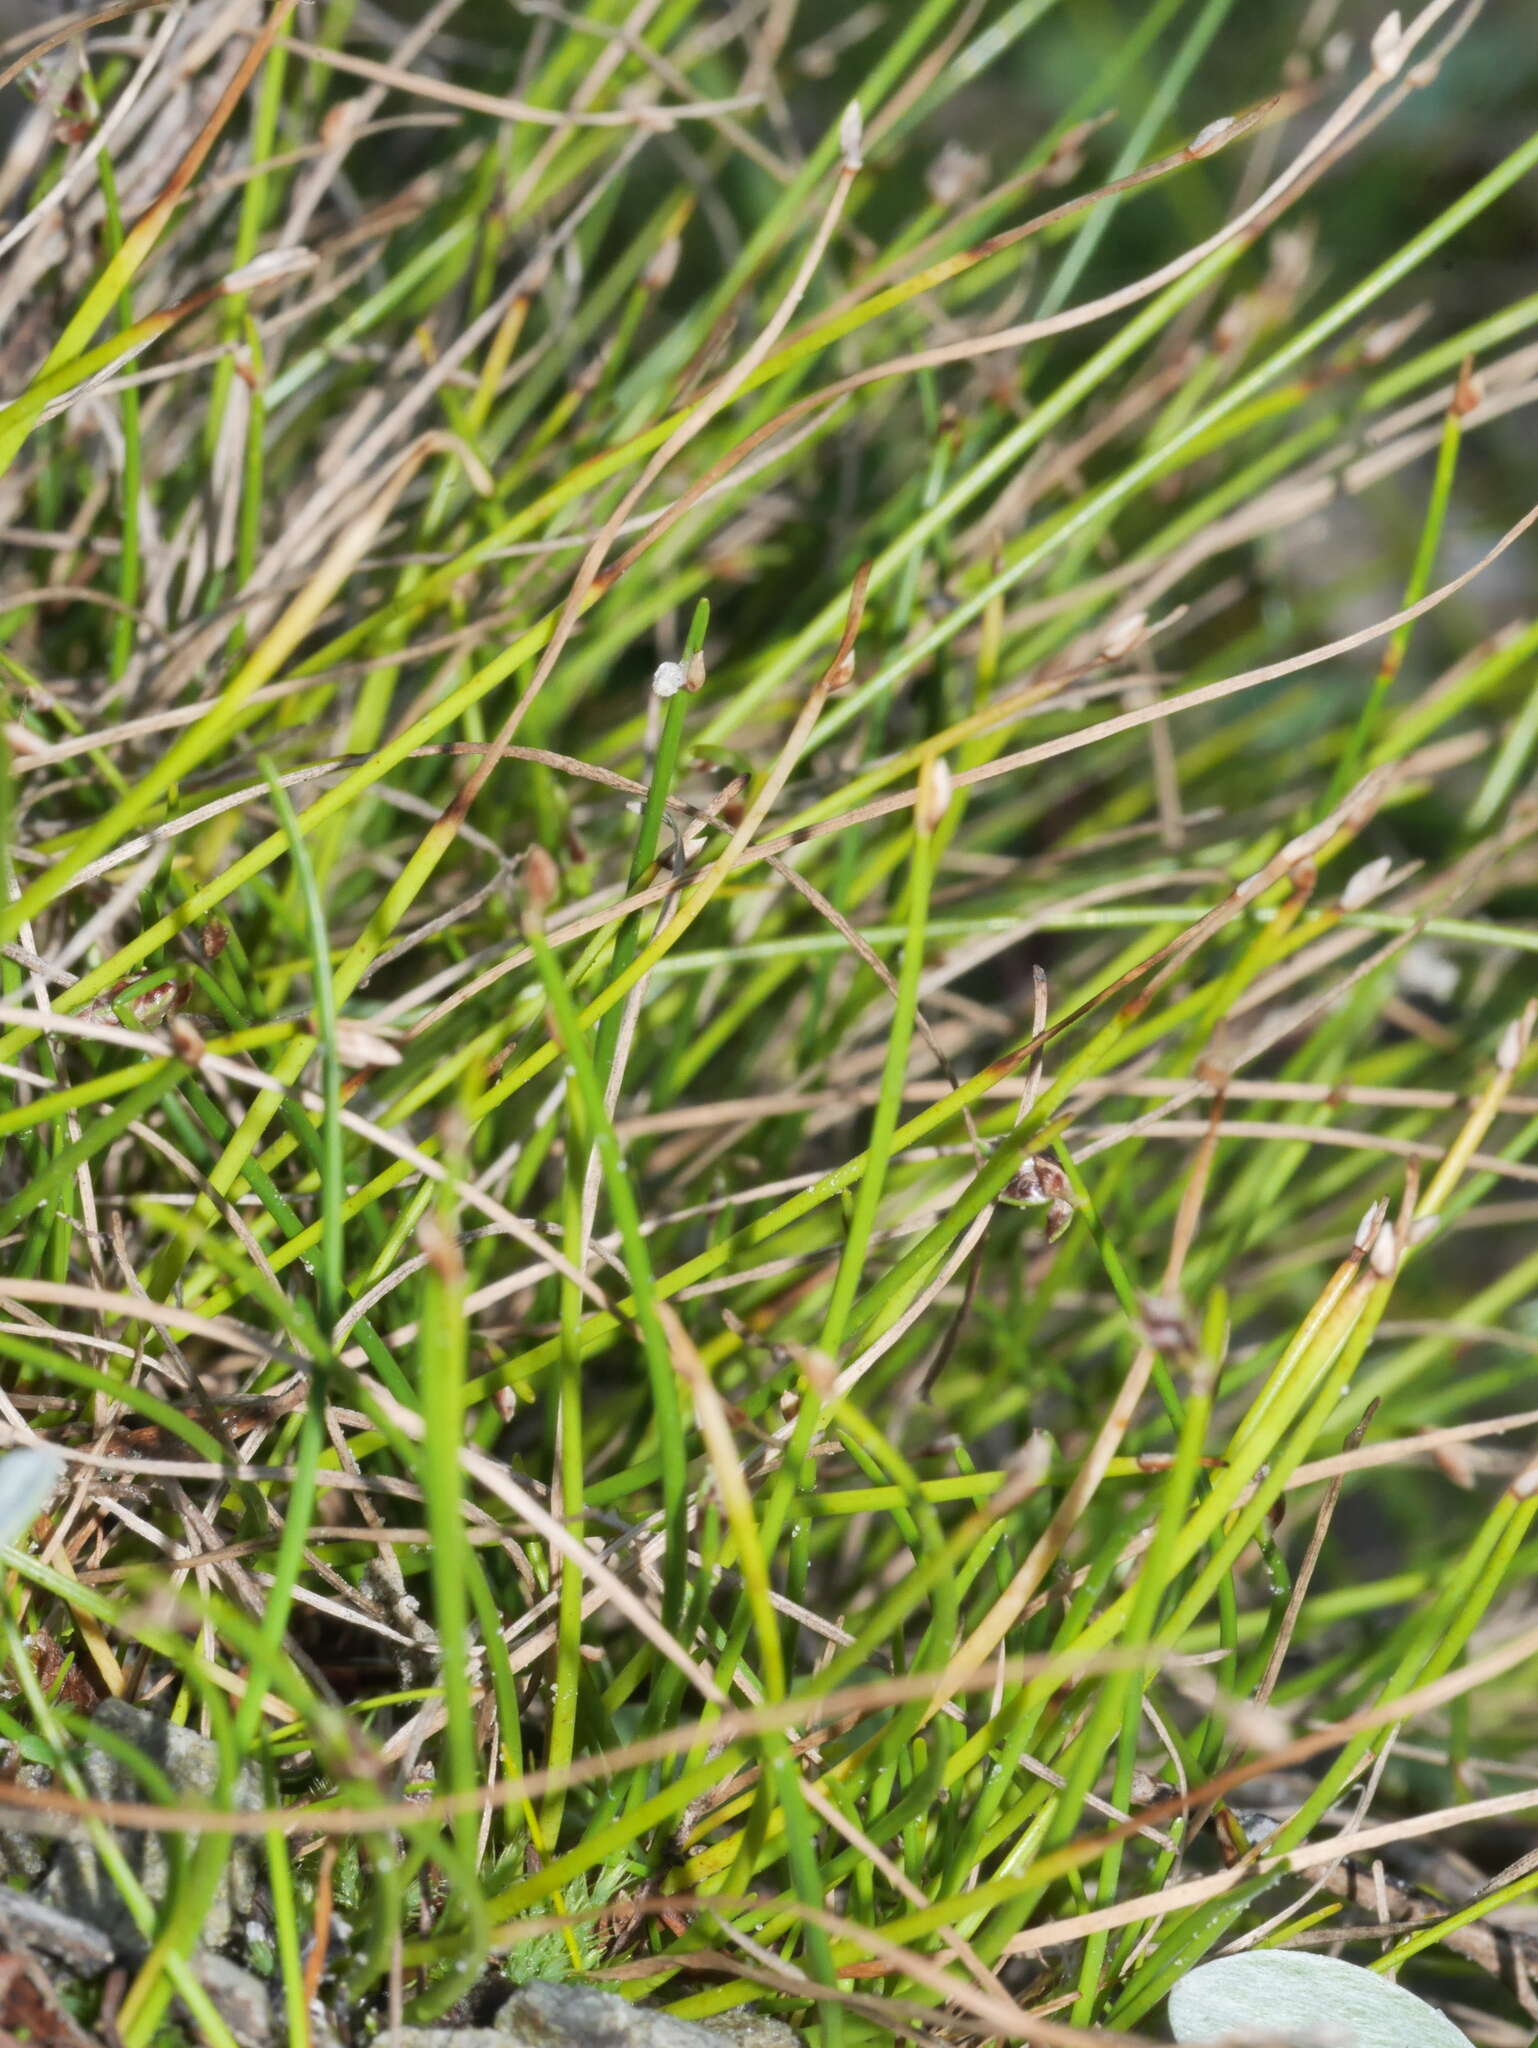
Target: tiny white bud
(441, 1250)
(1422, 1228)
(1067, 159)
(359, 1045)
(1525, 1485)
(1028, 1469)
(341, 119)
(1508, 1054)
(1387, 45)
(21, 740)
(955, 174)
(1366, 883)
(1336, 54)
(1425, 970)
(1367, 1229)
(268, 268)
(188, 1041)
(669, 678)
(1392, 334)
(1212, 137)
(1291, 252)
(1123, 634)
(1384, 1256)
(817, 1370)
(851, 134)
(660, 268)
(1032, 1463)
(1257, 1727)
(841, 674)
(540, 881)
(1303, 847)
(936, 788)
(536, 272)
(1236, 323)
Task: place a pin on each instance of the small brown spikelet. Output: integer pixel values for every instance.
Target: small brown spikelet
(541, 883)
(1041, 1182)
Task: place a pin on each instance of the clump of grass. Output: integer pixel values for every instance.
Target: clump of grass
(767, 989)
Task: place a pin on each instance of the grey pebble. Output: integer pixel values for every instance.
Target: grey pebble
(23, 1851)
(574, 2016)
(78, 1884)
(55, 1934)
(240, 1998)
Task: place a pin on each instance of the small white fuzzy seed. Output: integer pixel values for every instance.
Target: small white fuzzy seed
(1033, 1462)
(669, 678)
